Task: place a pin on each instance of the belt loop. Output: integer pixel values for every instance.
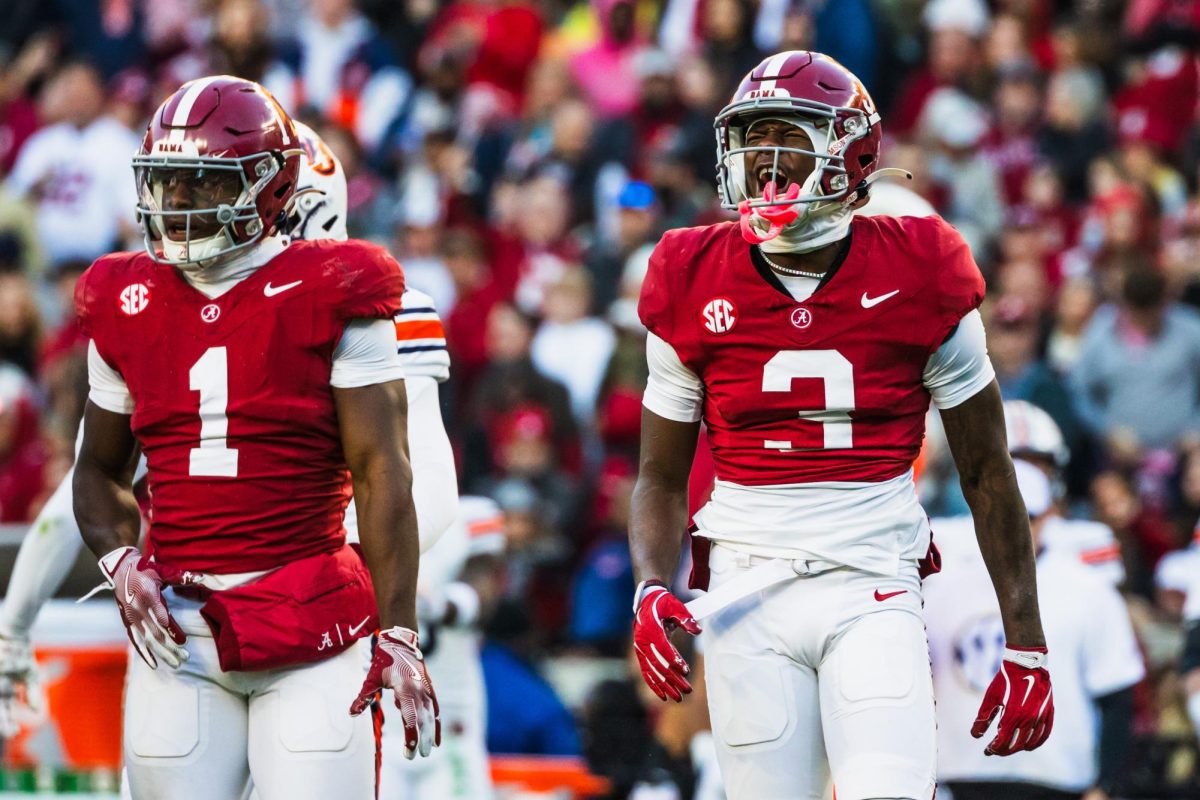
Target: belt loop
(743, 559)
(800, 566)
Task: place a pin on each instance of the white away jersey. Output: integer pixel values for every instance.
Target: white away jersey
(420, 337)
(1093, 543)
(1092, 652)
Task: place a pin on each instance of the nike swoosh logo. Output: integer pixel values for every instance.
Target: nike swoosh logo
(871, 302)
(882, 597)
(354, 629)
(271, 291)
(1028, 688)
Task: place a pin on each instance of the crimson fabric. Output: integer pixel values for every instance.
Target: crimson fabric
(920, 266)
(287, 498)
(305, 611)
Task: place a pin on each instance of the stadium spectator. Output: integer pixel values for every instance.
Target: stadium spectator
(339, 65)
(75, 171)
(1137, 380)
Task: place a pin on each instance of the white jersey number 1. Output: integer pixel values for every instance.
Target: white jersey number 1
(210, 377)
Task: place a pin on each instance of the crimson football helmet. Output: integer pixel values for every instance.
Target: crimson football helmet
(830, 104)
(216, 171)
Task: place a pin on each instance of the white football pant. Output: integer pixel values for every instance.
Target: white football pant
(825, 673)
(201, 733)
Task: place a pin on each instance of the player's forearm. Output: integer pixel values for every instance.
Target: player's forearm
(1002, 528)
(387, 523)
(105, 508)
(658, 519)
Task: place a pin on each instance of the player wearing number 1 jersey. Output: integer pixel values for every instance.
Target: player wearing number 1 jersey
(261, 380)
(810, 343)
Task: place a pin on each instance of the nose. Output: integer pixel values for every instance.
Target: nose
(176, 194)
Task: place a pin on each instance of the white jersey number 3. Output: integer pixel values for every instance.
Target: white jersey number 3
(210, 377)
(832, 368)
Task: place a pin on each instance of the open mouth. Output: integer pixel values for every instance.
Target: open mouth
(771, 174)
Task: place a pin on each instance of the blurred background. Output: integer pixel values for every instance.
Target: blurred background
(521, 158)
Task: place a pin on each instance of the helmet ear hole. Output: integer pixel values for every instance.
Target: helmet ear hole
(866, 159)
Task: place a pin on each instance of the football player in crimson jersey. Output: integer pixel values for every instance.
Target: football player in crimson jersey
(260, 378)
(49, 550)
(810, 343)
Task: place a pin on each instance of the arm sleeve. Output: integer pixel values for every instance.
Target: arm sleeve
(960, 368)
(107, 387)
(435, 480)
(1116, 736)
(366, 355)
(672, 391)
(46, 556)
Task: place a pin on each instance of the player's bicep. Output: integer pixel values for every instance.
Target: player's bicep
(975, 432)
(668, 447)
(372, 422)
(108, 445)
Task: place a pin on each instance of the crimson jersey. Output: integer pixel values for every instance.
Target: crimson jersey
(827, 389)
(232, 403)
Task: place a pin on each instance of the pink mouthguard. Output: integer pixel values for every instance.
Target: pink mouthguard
(777, 217)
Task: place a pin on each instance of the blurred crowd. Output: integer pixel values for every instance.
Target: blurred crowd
(522, 157)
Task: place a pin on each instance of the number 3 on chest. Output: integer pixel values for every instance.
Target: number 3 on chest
(210, 377)
(837, 375)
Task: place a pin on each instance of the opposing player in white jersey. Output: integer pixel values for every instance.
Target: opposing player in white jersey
(450, 607)
(1034, 436)
(53, 542)
(1097, 662)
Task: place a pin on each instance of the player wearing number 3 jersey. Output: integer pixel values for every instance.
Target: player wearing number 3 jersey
(260, 378)
(810, 343)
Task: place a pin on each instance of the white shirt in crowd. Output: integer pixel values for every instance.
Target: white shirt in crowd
(575, 353)
(1092, 650)
(82, 184)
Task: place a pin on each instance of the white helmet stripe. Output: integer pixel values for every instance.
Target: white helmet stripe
(774, 67)
(179, 119)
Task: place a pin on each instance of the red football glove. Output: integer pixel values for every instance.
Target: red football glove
(657, 614)
(399, 665)
(1021, 694)
(137, 587)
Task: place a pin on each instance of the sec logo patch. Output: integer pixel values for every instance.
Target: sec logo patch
(802, 317)
(719, 316)
(133, 299)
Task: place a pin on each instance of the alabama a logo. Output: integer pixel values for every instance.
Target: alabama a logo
(719, 315)
(802, 317)
(133, 299)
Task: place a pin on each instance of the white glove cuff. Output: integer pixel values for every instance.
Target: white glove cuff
(1029, 659)
(110, 560)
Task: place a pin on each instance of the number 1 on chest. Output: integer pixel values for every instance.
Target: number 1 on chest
(210, 377)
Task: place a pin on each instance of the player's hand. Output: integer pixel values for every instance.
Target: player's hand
(18, 682)
(1021, 695)
(137, 586)
(398, 665)
(658, 613)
